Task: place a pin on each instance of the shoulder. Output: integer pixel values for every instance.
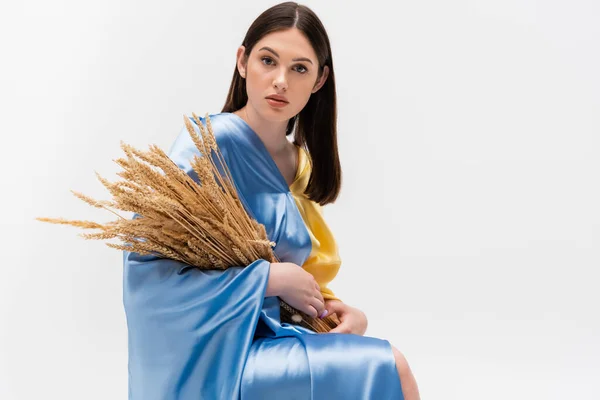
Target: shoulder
(303, 173)
(304, 161)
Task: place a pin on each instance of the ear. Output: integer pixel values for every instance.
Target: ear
(241, 61)
(321, 81)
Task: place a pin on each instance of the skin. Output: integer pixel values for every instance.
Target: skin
(267, 73)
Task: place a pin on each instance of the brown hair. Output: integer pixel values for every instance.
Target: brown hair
(315, 127)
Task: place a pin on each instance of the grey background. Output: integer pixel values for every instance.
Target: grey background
(468, 223)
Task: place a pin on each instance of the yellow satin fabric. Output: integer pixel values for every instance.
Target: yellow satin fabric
(324, 261)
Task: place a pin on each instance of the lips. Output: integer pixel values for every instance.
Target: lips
(278, 98)
(276, 103)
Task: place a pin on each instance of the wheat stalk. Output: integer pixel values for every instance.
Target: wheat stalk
(202, 224)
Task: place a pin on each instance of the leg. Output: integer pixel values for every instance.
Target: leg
(407, 379)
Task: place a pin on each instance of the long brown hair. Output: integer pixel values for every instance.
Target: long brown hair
(315, 127)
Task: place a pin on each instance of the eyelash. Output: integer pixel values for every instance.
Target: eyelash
(299, 65)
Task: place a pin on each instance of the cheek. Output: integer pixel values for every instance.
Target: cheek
(301, 104)
(251, 89)
(255, 82)
(303, 94)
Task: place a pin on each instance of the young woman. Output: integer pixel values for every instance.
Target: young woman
(197, 334)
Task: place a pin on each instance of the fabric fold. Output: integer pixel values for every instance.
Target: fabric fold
(190, 332)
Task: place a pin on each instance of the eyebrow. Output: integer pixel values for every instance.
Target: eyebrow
(277, 55)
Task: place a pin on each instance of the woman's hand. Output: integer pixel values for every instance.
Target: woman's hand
(296, 287)
(352, 320)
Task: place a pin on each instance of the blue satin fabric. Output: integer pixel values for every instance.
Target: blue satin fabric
(197, 334)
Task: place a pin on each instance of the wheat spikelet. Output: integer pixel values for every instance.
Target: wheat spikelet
(89, 200)
(99, 235)
(77, 223)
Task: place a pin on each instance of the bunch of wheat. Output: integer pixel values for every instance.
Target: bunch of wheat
(202, 224)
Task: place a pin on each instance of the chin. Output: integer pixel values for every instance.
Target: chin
(280, 115)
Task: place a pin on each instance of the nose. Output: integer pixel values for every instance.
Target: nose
(280, 81)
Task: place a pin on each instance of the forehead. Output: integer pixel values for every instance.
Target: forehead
(289, 44)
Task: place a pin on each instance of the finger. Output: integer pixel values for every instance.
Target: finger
(311, 311)
(320, 297)
(335, 307)
(324, 312)
(341, 328)
(318, 305)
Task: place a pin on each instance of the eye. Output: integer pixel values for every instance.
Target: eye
(266, 58)
(304, 70)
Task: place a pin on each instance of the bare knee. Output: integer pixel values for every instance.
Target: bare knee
(410, 389)
(401, 363)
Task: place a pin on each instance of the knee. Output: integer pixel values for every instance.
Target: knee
(401, 363)
(410, 389)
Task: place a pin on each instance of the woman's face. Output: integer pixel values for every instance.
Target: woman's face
(281, 63)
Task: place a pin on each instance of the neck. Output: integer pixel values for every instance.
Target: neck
(272, 133)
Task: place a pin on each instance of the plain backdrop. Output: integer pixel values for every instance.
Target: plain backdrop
(468, 222)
